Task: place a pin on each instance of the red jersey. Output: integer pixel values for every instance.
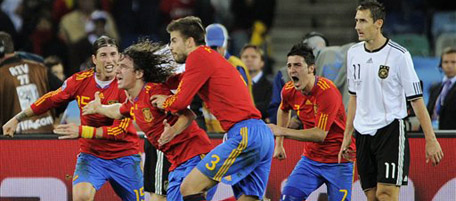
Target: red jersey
(191, 142)
(322, 108)
(218, 84)
(122, 137)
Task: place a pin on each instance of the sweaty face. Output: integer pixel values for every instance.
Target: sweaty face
(105, 61)
(125, 73)
(449, 64)
(365, 25)
(252, 60)
(299, 72)
(177, 47)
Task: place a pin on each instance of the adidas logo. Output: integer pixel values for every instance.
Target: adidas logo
(369, 61)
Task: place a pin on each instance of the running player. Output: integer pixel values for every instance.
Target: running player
(319, 106)
(244, 160)
(109, 149)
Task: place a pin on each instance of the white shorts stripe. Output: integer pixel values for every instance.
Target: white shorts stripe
(400, 165)
(158, 173)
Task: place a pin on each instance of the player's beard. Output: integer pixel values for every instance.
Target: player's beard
(180, 58)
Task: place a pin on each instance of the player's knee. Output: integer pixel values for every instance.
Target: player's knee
(384, 195)
(187, 189)
(82, 196)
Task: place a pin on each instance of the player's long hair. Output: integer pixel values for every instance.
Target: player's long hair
(150, 58)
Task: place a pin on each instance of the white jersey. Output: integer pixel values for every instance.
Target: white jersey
(381, 80)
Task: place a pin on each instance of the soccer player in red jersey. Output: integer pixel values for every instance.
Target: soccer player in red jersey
(109, 148)
(244, 159)
(183, 143)
(319, 106)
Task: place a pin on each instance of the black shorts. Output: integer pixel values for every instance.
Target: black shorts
(156, 172)
(384, 157)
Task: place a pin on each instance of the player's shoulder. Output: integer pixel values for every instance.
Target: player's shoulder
(83, 75)
(325, 84)
(398, 49)
(357, 47)
(288, 88)
(156, 88)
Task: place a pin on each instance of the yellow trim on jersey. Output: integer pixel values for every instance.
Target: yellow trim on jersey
(119, 129)
(289, 85)
(322, 121)
(233, 155)
(84, 75)
(323, 84)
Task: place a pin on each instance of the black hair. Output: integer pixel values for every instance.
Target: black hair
(189, 26)
(103, 41)
(300, 49)
(377, 9)
(147, 56)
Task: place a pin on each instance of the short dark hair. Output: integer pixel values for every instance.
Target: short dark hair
(256, 48)
(146, 56)
(377, 9)
(103, 41)
(6, 43)
(52, 61)
(300, 49)
(189, 26)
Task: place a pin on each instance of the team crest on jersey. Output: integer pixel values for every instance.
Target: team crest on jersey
(383, 71)
(147, 114)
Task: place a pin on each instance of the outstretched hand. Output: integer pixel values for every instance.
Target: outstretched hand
(92, 106)
(67, 131)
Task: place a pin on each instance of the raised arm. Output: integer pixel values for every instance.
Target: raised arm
(95, 107)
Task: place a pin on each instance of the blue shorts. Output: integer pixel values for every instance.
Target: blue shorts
(124, 174)
(176, 177)
(309, 175)
(243, 160)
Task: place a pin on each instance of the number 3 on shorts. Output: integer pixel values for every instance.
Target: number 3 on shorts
(213, 162)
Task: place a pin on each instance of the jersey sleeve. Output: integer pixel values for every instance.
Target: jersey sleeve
(197, 73)
(408, 78)
(53, 99)
(350, 75)
(118, 130)
(328, 104)
(125, 109)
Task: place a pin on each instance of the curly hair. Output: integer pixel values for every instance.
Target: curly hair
(150, 58)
